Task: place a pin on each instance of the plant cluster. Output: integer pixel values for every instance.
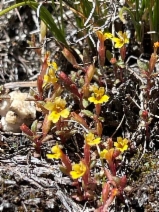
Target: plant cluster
(73, 102)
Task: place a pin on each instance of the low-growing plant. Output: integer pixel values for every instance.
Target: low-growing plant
(76, 103)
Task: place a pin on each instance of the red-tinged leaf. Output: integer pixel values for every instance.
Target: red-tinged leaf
(116, 153)
(46, 125)
(67, 81)
(26, 130)
(99, 128)
(69, 84)
(108, 174)
(79, 119)
(40, 86)
(105, 192)
(69, 56)
(66, 161)
(101, 52)
(44, 65)
(89, 74)
(74, 90)
(87, 154)
(152, 62)
(123, 181)
(85, 91)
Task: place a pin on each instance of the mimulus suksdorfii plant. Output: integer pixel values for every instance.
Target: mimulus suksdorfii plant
(110, 156)
(78, 170)
(57, 153)
(103, 36)
(50, 77)
(57, 109)
(99, 95)
(91, 140)
(121, 40)
(102, 49)
(121, 144)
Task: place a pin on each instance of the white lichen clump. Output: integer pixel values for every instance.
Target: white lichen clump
(16, 111)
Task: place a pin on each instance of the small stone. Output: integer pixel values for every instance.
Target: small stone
(16, 111)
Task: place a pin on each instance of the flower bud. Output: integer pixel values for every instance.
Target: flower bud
(152, 62)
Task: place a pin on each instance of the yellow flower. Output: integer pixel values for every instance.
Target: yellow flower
(156, 44)
(103, 36)
(103, 153)
(91, 140)
(50, 77)
(98, 97)
(107, 154)
(78, 170)
(57, 153)
(123, 39)
(121, 144)
(57, 109)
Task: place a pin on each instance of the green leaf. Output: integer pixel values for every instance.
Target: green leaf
(85, 103)
(135, 23)
(109, 55)
(87, 113)
(63, 169)
(34, 126)
(120, 63)
(143, 65)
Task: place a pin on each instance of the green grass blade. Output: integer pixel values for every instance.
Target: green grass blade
(45, 16)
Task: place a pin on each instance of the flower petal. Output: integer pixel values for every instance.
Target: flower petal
(75, 175)
(92, 99)
(50, 156)
(94, 142)
(65, 113)
(103, 153)
(107, 35)
(54, 117)
(49, 106)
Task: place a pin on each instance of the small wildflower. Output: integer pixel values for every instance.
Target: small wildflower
(121, 40)
(103, 36)
(103, 153)
(107, 154)
(57, 109)
(78, 170)
(50, 77)
(121, 144)
(156, 44)
(98, 97)
(52, 65)
(56, 153)
(101, 47)
(91, 140)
